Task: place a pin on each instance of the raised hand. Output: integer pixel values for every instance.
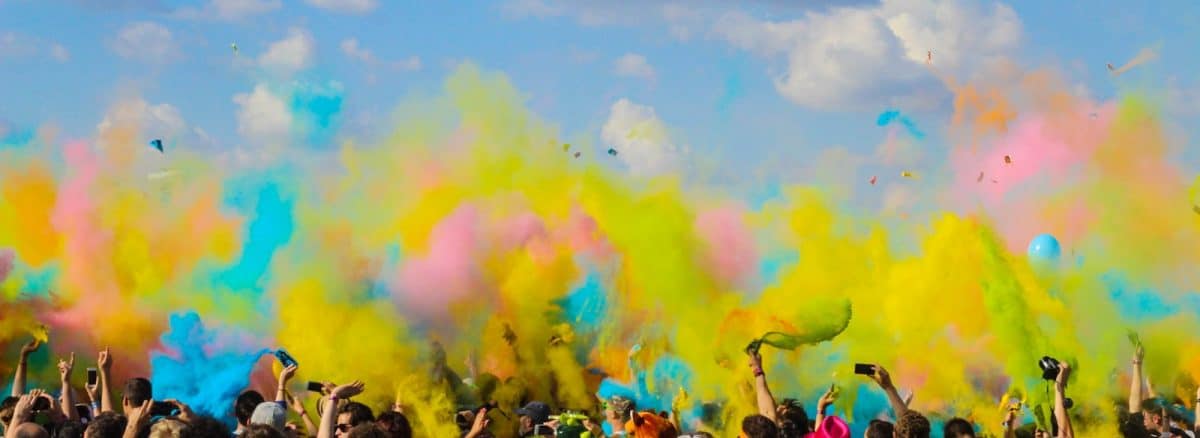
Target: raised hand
(29, 348)
(185, 411)
(105, 360)
(882, 377)
(138, 418)
(23, 409)
(348, 390)
(64, 368)
(287, 373)
(828, 398)
(1064, 371)
(295, 403)
(479, 425)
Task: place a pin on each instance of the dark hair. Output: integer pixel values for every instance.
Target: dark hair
(205, 426)
(359, 413)
(243, 407)
(793, 419)
(758, 426)
(912, 425)
(6, 409)
(368, 430)
(880, 429)
(69, 429)
(395, 423)
(261, 431)
(958, 428)
(106, 425)
(138, 391)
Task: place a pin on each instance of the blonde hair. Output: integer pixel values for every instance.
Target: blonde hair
(167, 428)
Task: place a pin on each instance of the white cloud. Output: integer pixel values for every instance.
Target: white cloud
(59, 53)
(135, 121)
(145, 41)
(634, 65)
(263, 117)
(856, 56)
(346, 6)
(15, 45)
(640, 139)
(230, 10)
(291, 54)
(352, 49)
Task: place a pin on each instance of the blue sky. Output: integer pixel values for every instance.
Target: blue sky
(710, 70)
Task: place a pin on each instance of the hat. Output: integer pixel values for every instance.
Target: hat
(832, 427)
(537, 411)
(271, 414)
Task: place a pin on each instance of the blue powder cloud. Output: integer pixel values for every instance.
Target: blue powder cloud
(894, 116)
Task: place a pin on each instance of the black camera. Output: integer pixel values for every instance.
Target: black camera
(1049, 366)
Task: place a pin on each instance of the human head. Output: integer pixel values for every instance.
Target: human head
(244, 406)
(261, 431)
(167, 428)
(793, 419)
(879, 429)
(70, 429)
(30, 430)
(912, 425)
(533, 414)
(6, 409)
(368, 430)
(395, 424)
(106, 425)
(205, 426)
(269, 414)
(758, 426)
(958, 428)
(137, 391)
(1152, 416)
(351, 415)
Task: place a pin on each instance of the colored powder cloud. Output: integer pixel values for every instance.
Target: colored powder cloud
(891, 116)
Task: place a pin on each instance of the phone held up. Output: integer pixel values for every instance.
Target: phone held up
(316, 387)
(91, 376)
(864, 369)
(285, 359)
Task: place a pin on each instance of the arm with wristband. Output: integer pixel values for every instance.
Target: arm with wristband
(329, 413)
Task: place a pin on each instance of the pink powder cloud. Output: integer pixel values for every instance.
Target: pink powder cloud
(447, 271)
(730, 249)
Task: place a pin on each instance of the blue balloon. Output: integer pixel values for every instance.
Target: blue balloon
(1044, 247)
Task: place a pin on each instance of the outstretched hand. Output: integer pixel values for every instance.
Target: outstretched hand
(828, 398)
(348, 390)
(140, 417)
(1139, 353)
(480, 424)
(29, 348)
(24, 408)
(105, 360)
(287, 373)
(882, 377)
(64, 368)
(185, 411)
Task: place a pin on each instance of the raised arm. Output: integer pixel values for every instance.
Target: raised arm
(297, 406)
(18, 387)
(1060, 402)
(68, 397)
(1135, 385)
(104, 362)
(824, 403)
(21, 413)
(762, 393)
(1010, 420)
(329, 413)
(281, 390)
(881, 377)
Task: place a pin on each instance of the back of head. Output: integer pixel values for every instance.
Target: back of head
(758, 426)
(793, 419)
(167, 428)
(368, 430)
(30, 430)
(244, 406)
(359, 413)
(106, 425)
(958, 428)
(138, 391)
(395, 424)
(261, 431)
(271, 414)
(880, 429)
(70, 429)
(912, 425)
(205, 426)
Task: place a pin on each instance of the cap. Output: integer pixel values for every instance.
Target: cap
(271, 414)
(537, 411)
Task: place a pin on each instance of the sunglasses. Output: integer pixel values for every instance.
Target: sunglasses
(344, 428)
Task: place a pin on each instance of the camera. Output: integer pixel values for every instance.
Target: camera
(1049, 366)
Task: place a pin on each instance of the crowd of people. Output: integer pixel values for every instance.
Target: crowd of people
(36, 413)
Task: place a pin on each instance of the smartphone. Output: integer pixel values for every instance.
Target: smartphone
(316, 387)
(864, 369)
(284, 358)
(84, 411)
(92, 376)
(162, 409)
(41, 404)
